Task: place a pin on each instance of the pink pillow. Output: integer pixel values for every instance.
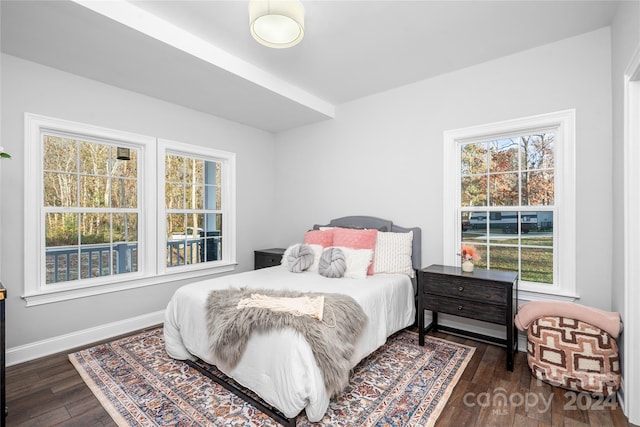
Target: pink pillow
(323, 238)
(356, 239)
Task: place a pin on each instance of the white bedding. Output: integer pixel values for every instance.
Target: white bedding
(279, 366)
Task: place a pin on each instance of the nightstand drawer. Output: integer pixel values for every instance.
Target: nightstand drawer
(463, 288)
(268, 258)
(465, 308)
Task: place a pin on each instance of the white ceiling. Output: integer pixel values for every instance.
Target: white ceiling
(200, 54)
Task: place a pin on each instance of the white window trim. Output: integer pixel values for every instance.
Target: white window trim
(565, 238)
(631, 371)
(228, 161)
(148, 273)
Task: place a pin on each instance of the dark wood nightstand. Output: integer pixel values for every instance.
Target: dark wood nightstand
(486, 295)
(267, 257)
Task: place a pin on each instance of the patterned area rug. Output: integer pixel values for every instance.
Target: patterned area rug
(401, 384)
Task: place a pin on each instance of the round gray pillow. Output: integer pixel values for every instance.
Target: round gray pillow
(332, 263)
(300, 258)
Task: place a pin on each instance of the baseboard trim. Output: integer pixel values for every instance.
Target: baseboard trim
(35, 350)
(522, 342)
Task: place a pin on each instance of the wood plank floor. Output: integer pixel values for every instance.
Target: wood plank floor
(49, 392)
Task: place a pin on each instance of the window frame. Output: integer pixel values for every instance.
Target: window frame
(86, 210)
(563, 124)
(228, 203)
(151, 181)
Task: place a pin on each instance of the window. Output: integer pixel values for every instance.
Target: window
(510, 193)
(91, 200)
(197, 208)
(90, 208)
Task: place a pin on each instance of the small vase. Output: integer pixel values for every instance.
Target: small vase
(467, 266)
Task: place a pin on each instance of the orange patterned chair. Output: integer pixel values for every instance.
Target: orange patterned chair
(572, 346)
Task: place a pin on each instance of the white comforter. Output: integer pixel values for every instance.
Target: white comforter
(279, 366)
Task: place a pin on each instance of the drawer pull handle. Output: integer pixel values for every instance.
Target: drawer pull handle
(459, 307)
(461, 288)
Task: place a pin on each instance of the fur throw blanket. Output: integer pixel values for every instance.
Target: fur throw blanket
(332, 346)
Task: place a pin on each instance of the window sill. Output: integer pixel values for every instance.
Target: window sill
(48, 297)
(529, 295)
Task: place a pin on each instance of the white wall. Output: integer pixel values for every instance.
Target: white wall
(29, 87)
(383, 155)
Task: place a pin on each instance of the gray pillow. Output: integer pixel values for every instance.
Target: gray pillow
(332, 263)
(300, 258)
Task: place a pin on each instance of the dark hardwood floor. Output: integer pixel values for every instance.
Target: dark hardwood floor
(490, 395)
(50, 392)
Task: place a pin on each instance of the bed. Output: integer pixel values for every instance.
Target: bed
(279, 365)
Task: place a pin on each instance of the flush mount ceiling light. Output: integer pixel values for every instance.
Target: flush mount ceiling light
(276, 23)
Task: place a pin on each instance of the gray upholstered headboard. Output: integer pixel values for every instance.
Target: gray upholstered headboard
(381, 225)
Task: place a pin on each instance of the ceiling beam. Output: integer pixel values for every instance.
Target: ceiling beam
(140, 20)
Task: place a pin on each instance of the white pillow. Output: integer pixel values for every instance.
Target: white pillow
(317, 252)
(393, 253)
(358, 261)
